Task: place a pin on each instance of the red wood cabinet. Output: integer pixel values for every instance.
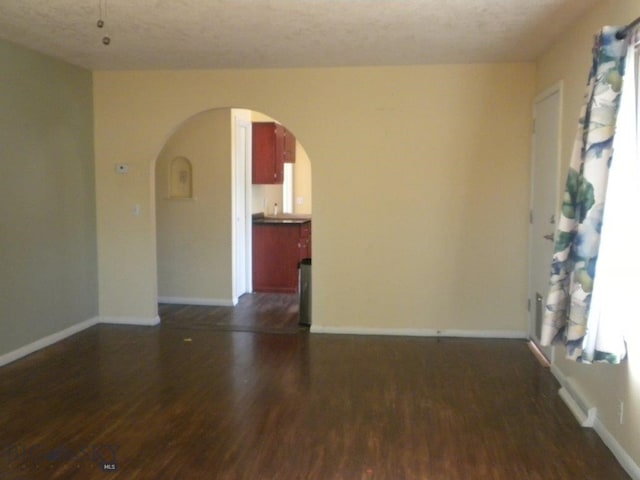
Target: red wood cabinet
(305, 241)
(289, 147)
(273, 146)
(277, 250)
(268, 153)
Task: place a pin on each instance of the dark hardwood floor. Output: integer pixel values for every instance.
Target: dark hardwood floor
(255, 312)
(178, 402)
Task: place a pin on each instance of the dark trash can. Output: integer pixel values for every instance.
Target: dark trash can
(305, 291)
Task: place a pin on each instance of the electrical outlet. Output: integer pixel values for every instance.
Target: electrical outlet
(621, 411)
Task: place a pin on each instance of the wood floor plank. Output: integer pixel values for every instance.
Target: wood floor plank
(256, 312)
(180, 402)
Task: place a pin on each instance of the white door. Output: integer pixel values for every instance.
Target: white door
(241, 227)
(544, 187)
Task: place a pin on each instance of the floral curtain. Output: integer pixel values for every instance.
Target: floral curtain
(577, 241)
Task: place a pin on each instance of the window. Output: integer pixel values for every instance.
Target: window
(616, 282)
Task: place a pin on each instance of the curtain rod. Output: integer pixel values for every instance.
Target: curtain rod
(623, 32)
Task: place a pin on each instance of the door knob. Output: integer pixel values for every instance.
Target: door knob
(548, 236)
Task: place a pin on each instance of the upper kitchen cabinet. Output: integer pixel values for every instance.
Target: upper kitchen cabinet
(268, 153)
(273, 146)
(289, 147)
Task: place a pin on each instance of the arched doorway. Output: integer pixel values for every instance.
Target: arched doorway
(204, 236)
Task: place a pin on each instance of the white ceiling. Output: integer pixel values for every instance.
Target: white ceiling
(175, 34)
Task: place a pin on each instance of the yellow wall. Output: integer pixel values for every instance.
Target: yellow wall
(420, 185)
(194, 235)
(264, 197)
(302, 182)
(569, 60)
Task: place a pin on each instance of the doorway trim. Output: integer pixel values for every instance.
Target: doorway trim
(535, 303)
(241, 208)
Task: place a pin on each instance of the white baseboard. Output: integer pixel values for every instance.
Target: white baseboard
(47, 341)
(576, 402)
(72, 330)
(206, 302)
(620, 453)
(420, 332)
(586, 416)
(144, 321)
(557, 373)
(573, 396)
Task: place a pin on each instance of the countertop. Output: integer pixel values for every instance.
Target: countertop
(283, 219)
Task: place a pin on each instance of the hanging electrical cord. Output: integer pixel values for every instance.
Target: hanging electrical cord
(102, 14)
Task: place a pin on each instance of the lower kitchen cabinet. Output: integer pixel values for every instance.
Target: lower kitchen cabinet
(277, 251)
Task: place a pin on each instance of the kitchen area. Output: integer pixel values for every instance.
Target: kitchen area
(281, 218)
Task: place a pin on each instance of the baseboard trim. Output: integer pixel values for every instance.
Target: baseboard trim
(620, 453)
(557, 373)
(46, 341)
(206, 302)
(586, 416)
(572, 396)
(542, 360)
(72, 330)
(419, 332)
(143, 321)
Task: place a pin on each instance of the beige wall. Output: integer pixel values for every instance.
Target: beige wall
(264, 197)
(302, 182)
(420, 185)
(48, 255)
(194, 235)
(569, 61)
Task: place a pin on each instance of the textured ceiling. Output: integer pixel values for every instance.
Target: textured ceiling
(173, 34)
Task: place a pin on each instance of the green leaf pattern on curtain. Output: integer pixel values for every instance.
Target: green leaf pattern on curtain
(578, 236)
